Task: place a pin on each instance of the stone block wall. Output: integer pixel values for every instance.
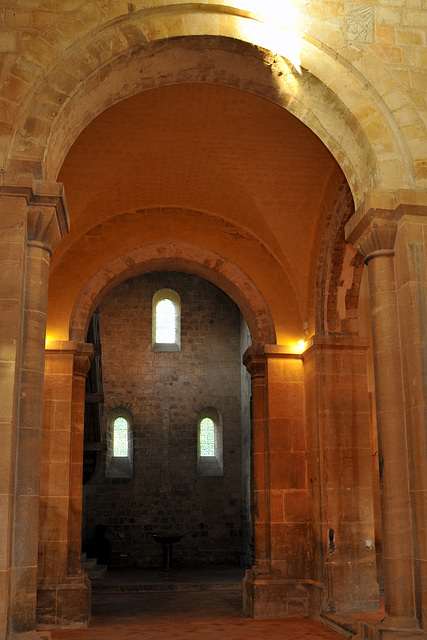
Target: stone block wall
(164, 392)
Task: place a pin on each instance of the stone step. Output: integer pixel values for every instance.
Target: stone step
(94, 570)
(97, 572)
(106, 587)
(88, 564)
(340, 622)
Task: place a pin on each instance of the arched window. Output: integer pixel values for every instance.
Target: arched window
(210, 445)
(120, 437)
(166, 321)
(119, 461)
(207, 437)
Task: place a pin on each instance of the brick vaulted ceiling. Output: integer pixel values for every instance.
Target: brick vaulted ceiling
(245, 166)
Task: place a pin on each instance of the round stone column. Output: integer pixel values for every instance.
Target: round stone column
(396, 514)
(46, 222)
(374, 236)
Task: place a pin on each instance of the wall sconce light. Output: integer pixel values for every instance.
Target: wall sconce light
(302, 342)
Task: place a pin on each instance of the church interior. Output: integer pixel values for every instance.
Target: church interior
(213, 327)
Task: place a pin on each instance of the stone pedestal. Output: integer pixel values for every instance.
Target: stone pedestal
(272, 596)
(64, 604)
(390, 629)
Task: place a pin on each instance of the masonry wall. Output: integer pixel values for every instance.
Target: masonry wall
(165, 391)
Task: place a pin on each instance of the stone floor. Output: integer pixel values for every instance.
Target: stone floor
(183, 604)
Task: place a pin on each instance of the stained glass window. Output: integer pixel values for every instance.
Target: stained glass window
(165, 322)
(207, 437)
(120, 438)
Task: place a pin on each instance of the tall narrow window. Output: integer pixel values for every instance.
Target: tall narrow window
(166, 321)
(120, 437)
(207, 437)
(210, 446)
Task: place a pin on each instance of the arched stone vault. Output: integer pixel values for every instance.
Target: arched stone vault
(129, 241)
(366, 141)
(176, 257)
(364, 99)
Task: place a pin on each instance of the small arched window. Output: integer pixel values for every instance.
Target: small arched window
(119, 461)
(166, 320)
(207, 437)
(120, 437)
(210, 445)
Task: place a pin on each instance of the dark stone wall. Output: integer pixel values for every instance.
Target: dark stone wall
(164, 391)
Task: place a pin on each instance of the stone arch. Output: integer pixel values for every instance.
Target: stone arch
(173, 256)
(127, 54)
(339, 272)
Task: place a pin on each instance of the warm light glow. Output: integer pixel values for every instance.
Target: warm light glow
(50, 337)
(282, 11)
(272, 27)
(300, 346)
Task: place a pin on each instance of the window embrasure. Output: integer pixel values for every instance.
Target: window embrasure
(119, 444)
(209, 443)
(166, 314)
(120, 437)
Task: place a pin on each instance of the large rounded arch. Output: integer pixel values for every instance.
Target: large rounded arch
(135, 52)
(173, 256)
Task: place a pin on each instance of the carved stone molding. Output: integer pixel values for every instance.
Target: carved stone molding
(372, 229)
(374, 233)
(255, 363)
(47, 217)
(42, 227)
(83, 359)
(82, 354)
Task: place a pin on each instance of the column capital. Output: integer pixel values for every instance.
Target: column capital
(83, 358)
(373, 227)
(255, 362)
(47, 218)
(82, 353)
(373, 232)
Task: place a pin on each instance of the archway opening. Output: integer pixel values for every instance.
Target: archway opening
(175, 485)
(244, 203)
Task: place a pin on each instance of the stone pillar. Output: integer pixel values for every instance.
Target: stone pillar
(64, 590)
(373, 232)
(411, 280)
(256, 366)
(340, 475)
(43, 220)
(278, 584)
(13, 212)
(82, 361)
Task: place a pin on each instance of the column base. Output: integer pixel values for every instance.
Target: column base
(350, 586)
(265, 595)
(66, 604)
(390, 629)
